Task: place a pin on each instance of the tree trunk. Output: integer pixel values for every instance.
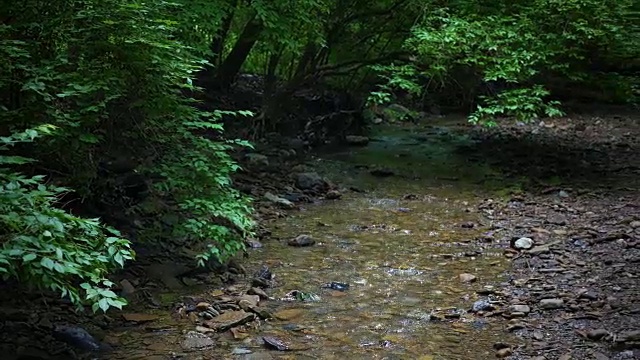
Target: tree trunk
(305, 59)
(217, 45)
(270, 76)
(230, 67)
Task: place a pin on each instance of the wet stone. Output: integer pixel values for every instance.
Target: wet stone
(467, 278)
(301, 241)
(252, 300)
(479, 324)
(194, 340)
(252, 243)
(275, 343)
(516, 327)
(279, 201)
(259, 292)
(503, 353)
(482, 305)
(240, 351)
(288, 314)
(77, 337)
(334, 285)
(229, 320)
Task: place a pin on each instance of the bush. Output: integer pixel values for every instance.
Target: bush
(46, 247)
(105, 79)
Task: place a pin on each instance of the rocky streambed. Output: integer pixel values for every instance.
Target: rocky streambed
(432, 241)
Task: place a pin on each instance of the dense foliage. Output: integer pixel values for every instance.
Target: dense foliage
(86, 83)
(104, 79)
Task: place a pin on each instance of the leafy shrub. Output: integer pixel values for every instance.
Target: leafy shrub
(107, 79)
(46, 247)
(525, 44)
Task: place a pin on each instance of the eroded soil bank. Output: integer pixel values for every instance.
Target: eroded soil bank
(440, 241)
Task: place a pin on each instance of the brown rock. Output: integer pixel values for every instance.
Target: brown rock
(288, 314)
(259, 292)
(229, 319)
(202, 306)
(253, 300)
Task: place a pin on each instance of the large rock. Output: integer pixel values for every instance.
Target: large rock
(281, 202)
(257, 160)
(309, 181)
(397, 113)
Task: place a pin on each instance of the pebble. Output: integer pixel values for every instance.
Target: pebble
(524, 243)
(525, 309)
(516, 327)
(597, 334)
(240, 351)
(468, 278)
(540, 249)
(588, 295)
(550, 304)
(482, 305)
(202, 306)
(301, 240)
(503, 353)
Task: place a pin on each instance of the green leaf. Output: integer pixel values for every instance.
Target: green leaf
(47, 263)
(29, 257)
(87, 287)
(103, 304)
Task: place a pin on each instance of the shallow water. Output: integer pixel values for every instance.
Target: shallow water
(401, 255)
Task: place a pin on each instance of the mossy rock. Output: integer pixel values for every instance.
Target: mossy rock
(398, 113)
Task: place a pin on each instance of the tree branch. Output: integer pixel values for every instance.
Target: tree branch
(358, 64)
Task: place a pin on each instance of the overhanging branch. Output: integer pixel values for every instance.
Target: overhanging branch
(354, 65)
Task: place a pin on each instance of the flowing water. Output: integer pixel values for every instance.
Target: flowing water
(401, 246)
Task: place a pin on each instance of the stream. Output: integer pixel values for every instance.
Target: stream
(409, 245)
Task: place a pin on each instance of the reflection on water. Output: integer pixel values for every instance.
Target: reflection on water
(402, 257)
